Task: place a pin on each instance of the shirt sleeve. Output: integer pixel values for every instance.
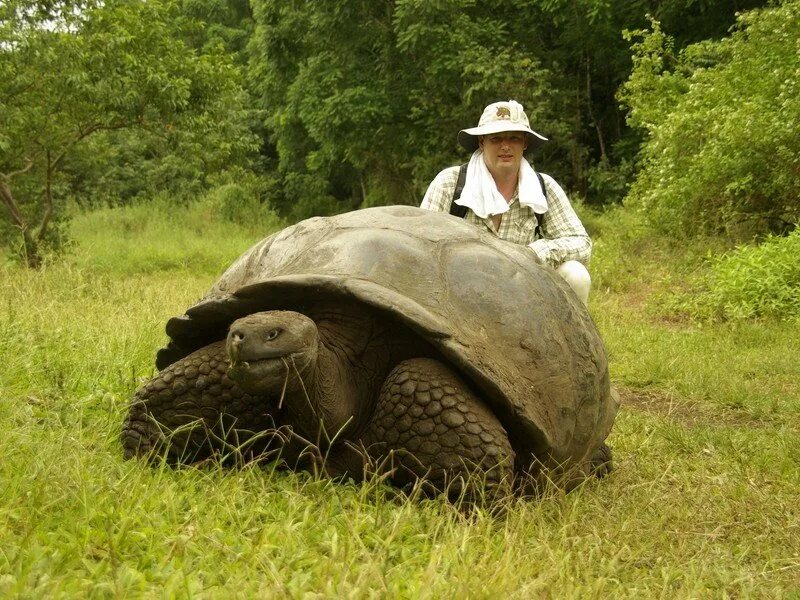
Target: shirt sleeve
(563, 235)
(439, 196)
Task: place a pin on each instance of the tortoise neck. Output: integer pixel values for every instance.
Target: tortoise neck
(326, 401)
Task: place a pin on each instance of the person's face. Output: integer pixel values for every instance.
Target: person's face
(502, 152)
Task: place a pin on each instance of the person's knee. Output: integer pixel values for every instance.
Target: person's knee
(578, 278)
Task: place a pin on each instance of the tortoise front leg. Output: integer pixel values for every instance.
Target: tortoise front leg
(429, 425)
(192, 410)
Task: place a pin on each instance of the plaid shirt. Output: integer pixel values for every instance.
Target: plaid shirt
(563, 235)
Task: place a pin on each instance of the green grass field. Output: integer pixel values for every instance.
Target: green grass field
(704, 501)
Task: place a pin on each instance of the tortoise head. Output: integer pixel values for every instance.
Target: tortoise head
(272, 351)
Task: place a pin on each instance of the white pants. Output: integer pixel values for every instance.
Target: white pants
(578, 278)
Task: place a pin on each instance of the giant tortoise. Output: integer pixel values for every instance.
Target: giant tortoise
(387, 338)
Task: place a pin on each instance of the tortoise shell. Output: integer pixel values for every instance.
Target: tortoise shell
(510, 326)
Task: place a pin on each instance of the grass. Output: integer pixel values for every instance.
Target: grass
(703, 502)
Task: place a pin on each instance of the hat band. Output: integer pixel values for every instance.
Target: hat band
(498, 126)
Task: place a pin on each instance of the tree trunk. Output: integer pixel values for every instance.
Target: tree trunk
(600, 140)
(33, 257)
(31, 248)
(48, 197)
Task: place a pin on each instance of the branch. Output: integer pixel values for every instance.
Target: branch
(8, 199)
(107, 127)
(10, 202)
(84, 133)
(18, 92)
(6, 177)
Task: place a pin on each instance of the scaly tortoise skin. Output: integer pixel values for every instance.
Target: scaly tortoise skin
(390, 339)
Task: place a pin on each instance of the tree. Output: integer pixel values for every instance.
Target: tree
(79, 69)
(584, 48)
(722, 153)
(364, 97)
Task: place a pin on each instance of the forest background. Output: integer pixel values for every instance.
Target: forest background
(684, 110)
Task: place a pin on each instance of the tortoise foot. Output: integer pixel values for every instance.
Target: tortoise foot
(428, 425)
(602, 461)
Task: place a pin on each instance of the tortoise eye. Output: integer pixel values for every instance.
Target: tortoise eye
(273, 334)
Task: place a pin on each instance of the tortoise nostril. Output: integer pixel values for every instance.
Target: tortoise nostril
(237, 337)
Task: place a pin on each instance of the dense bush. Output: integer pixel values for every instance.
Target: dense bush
(244, 202)
(723, 150)
(750, 281)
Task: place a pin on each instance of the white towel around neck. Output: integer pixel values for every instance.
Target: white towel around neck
(480, 193)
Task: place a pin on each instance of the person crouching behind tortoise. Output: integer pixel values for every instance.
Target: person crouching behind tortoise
(498, 189)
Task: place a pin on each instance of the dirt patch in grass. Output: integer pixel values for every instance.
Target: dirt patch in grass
(689, 413)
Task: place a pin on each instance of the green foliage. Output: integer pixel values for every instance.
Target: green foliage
(746, 283)
(470, 55)
(656, 83)
(369, 123)
(698, 280)
(723, 154)
(373, 121)
(363, 99)
(225, 23)
(183, 161)
(610, 182)
(240, 202)
(81, 70)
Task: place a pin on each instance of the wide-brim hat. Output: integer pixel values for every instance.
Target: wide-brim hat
(497, 117)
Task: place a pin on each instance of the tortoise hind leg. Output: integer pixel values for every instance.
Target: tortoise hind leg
(602, 463)
(192, 410)
(429, 425)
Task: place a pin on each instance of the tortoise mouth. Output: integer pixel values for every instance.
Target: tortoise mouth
(259, 369)
(267, 374)
(239, 353)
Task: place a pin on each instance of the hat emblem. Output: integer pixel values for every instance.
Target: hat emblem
(503, 112)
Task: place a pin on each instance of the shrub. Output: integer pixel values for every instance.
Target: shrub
(234, 202)
(748, 282)
(723, 154)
